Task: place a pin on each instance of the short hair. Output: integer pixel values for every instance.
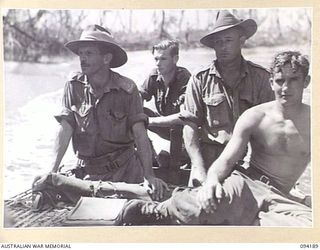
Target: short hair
(173, 45)
(294, 58)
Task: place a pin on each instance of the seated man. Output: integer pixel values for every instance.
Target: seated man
(279, 133)
(219, 93)
(103, 114)
(167, 84)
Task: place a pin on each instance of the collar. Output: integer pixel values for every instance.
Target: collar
(113, 83)
(78, 76)
(243, 68)
(116, 81)
(159, 77)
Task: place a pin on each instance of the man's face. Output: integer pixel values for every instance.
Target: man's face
(227, 45)
(165, 62)
(91, 59)
(288, 85)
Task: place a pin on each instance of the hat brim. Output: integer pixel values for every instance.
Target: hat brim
(119, 55)
(249, 27)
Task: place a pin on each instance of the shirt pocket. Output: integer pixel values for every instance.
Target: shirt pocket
(113, 126)
(217, 110)
(84, 118)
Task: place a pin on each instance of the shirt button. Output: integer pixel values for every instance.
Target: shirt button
(215, 122)
(215, 134)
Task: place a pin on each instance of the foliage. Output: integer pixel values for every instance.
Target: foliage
(33, 35)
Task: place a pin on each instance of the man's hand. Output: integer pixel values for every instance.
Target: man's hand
(39, 180)
(155, 187)
(209, 195)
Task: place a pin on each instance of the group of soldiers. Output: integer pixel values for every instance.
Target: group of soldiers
(218, 111)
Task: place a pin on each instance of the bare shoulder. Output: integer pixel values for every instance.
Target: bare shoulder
(257, 113)
(302, 115)
(250, 120)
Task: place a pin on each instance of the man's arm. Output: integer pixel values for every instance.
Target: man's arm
(212, 190)
(193, 111)
(145, 89)
(168, 121)
(61, 144)
(144, 150)
(191, 139)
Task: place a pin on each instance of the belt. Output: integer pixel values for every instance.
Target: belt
(105, 163)
(257, 174)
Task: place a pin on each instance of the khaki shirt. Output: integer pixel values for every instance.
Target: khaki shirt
(102, 125)
(215, 107)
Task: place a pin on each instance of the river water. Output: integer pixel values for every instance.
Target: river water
(33, 95)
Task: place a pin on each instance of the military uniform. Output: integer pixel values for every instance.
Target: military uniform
(102, 135)
(215, 107)
(167, 102)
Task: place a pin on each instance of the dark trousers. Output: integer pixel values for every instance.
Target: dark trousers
(178, 154)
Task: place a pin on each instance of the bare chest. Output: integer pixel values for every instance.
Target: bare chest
(287, 138)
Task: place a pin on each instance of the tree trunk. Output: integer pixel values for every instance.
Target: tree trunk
(162, 30)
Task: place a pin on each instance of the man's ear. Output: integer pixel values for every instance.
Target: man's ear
(306, 81)
(107, 58)
(271, 83)
(242, 40)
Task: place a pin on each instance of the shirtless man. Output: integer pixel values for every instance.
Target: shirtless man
(279, 132)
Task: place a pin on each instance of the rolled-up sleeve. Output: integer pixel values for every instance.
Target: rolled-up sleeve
(136, 113)
(66, 110)
(192, 109)
(145, 89)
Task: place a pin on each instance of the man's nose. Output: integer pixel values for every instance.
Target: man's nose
(82, 57)
(223, 45)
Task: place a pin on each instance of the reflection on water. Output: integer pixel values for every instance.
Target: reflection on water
(29, 141)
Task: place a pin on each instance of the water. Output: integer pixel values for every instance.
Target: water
(33, 96)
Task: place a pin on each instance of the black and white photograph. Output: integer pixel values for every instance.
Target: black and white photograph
(157, 117)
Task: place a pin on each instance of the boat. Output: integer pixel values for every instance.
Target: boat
(19, 211)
